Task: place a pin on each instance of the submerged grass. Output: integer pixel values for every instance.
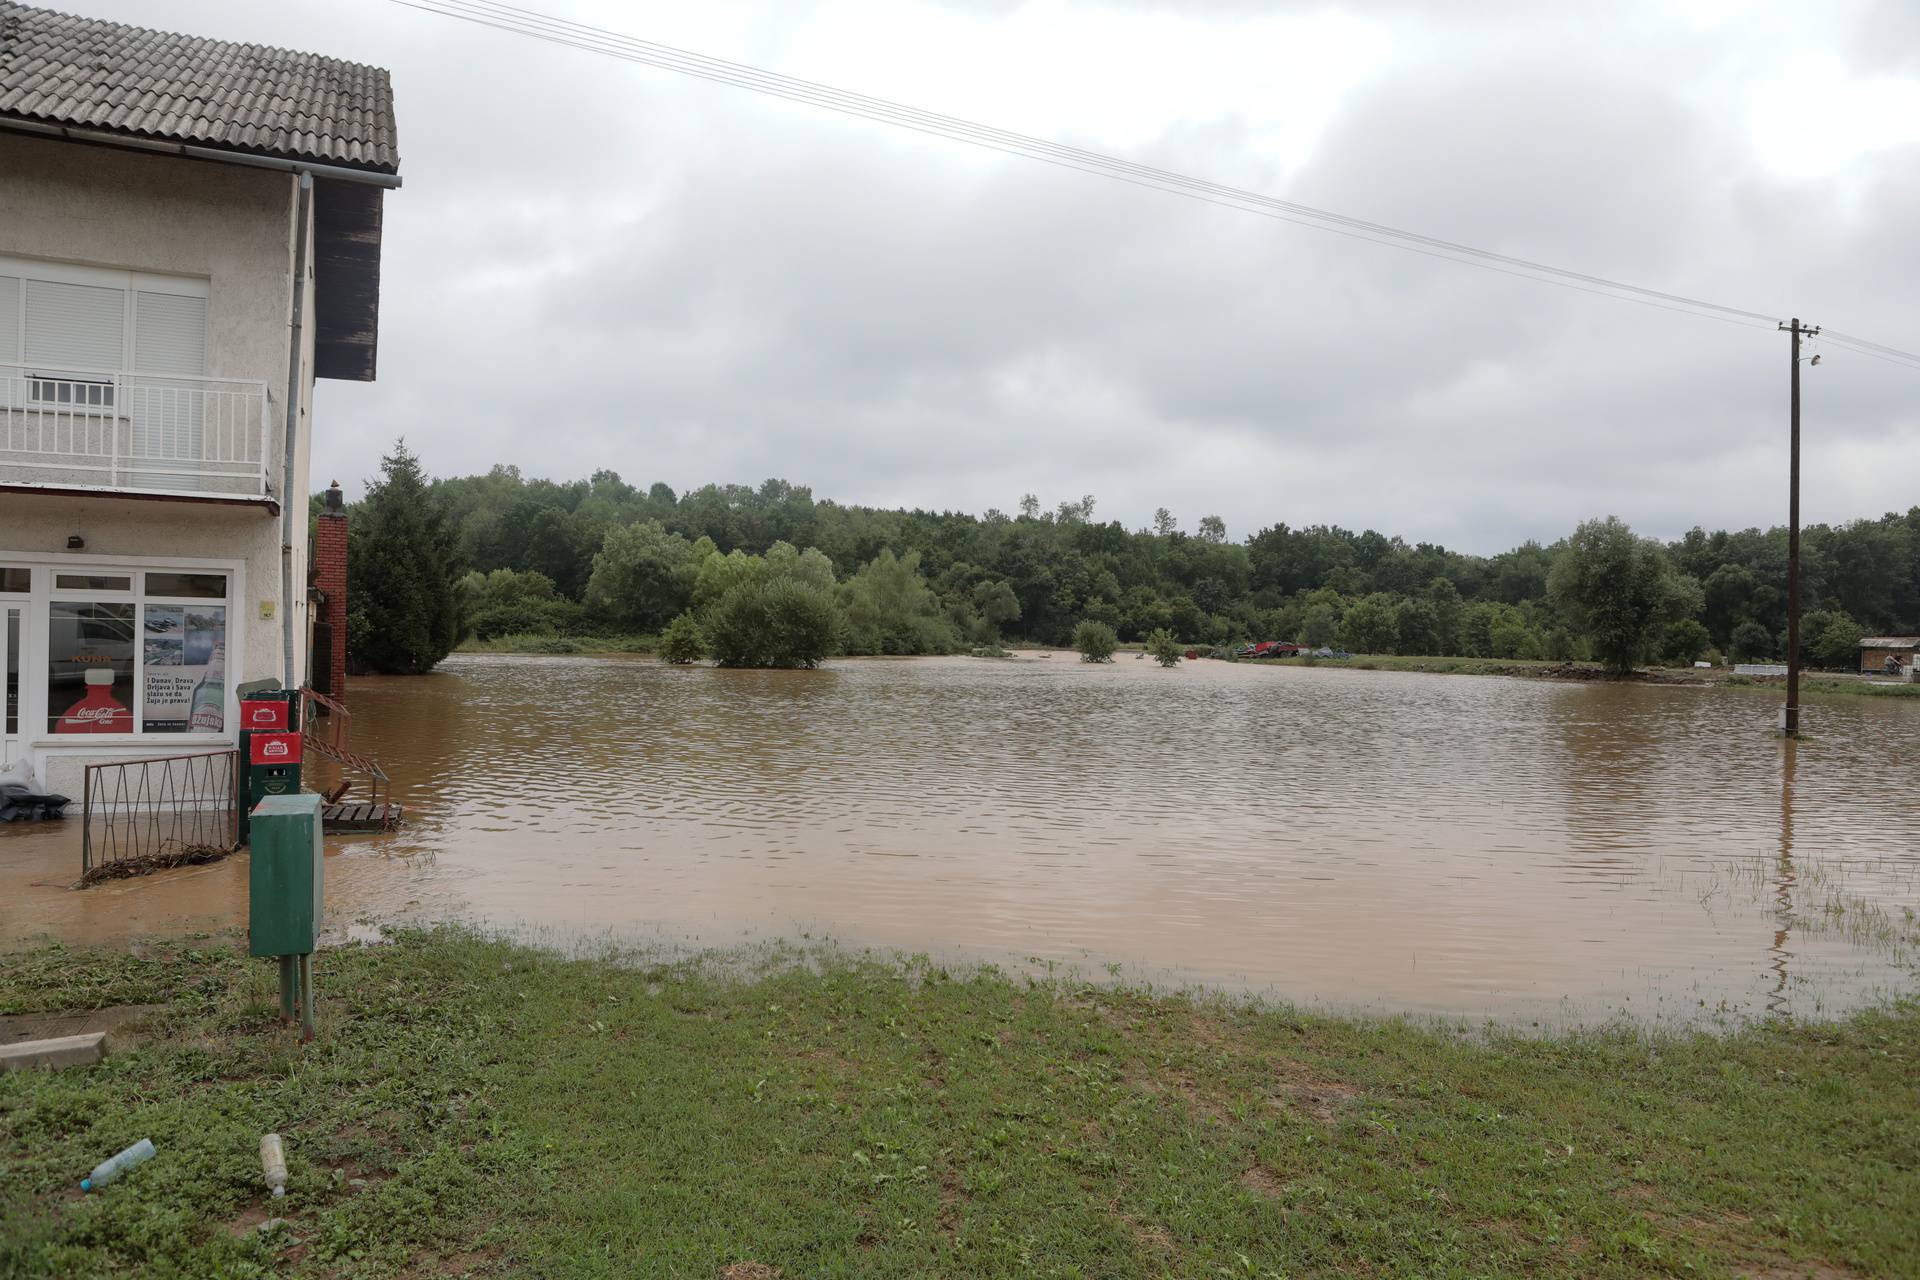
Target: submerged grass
(476, 1107)
(1718, 677)
(540, 642)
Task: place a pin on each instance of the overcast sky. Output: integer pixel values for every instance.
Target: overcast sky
(595, 264)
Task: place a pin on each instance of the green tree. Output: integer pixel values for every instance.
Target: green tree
(1095, 641)
(890, 609)
(1836, 642)
(772, 621)
(1684, 641)
(642, 576)
(1416, 628)
(1320, 626)
(681, 643)
(506, 603)
(1509, 636)
(1449, 615)
(1751, 642)
(997, 603)
(1616, 588)
(1369, 624)
(404, 609)
(1164, 648)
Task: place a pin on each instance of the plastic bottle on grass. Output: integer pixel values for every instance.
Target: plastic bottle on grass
(107, 1170)
(273, 1163)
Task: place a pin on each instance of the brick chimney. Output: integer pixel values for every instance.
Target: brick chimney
(330, 576)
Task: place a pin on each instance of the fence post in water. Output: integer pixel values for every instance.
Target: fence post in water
(86, 822)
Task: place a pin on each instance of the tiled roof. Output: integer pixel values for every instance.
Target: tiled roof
(1891, 642)
(85, 73)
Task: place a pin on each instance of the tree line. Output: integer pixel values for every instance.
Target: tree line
(433, 560)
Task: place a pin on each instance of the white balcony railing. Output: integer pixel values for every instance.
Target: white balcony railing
(138, 432)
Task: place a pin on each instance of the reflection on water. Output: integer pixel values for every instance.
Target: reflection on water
(1516, 848)
(1785, 879)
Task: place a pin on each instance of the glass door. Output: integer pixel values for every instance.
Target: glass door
(10, 639)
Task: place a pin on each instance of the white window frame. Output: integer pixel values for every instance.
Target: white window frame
(129, 283)
(35, 659)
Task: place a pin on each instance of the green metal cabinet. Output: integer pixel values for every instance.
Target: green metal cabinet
(284, 895)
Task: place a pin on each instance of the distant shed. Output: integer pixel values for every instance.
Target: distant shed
(1875, 650)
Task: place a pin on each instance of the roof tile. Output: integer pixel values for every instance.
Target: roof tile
(61, 69)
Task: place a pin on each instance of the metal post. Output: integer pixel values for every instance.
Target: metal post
(86, 819)
(289, 980)
(307, 1018)
(1793, 548)
(1790, 721)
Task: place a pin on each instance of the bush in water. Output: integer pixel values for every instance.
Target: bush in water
(681, 642)
(1095, 641)
(1164, 648)
(772, 622)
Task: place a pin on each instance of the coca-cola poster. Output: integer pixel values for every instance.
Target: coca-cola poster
(99, 711)
(183, 684)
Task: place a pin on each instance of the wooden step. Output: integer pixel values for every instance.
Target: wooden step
(360, 817)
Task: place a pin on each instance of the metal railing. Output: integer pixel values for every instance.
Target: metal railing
(331, 743)
(119, 429)
(167, 808)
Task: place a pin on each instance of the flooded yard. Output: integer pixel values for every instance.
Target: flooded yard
(1525, 850)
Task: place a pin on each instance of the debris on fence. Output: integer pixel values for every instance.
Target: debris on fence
(192, 855)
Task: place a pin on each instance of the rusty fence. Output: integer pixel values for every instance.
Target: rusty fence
(144, 812)
(326, 729)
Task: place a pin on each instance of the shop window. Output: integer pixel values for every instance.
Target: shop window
(11, 648)
(154, 664)
(92, 582)
(197, 586)
(89, 667)
(184, 668)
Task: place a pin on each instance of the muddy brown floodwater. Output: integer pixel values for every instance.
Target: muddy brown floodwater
(1480, 846)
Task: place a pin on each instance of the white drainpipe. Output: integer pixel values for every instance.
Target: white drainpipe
(303, 221)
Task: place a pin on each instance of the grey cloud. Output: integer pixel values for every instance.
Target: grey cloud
(610, 268)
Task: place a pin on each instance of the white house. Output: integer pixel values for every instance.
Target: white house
(189, 237)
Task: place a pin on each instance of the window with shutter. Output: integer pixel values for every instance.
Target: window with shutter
(66, 330)
(75, 327)
(9, 318)
(13, 385)
(169, 336)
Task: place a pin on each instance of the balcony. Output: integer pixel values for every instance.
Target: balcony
(118, 431)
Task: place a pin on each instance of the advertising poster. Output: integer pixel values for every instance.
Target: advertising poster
(185, 669)
(90, 667)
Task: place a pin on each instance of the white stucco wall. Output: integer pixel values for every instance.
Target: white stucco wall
(232, 226)
(105, 207)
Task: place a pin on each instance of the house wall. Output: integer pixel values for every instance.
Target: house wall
(233, 226)
(108, 207)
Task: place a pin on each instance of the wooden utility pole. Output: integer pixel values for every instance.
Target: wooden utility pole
(1790, 722)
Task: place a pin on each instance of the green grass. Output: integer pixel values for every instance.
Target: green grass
(476, 1108)
(1811, 682)
(535, 642)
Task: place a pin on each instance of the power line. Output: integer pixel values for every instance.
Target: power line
(1872, 350)
(533, 24)
(1866, 348)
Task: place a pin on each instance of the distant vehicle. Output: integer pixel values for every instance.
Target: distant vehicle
(1324, 652)
(1270, 649)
